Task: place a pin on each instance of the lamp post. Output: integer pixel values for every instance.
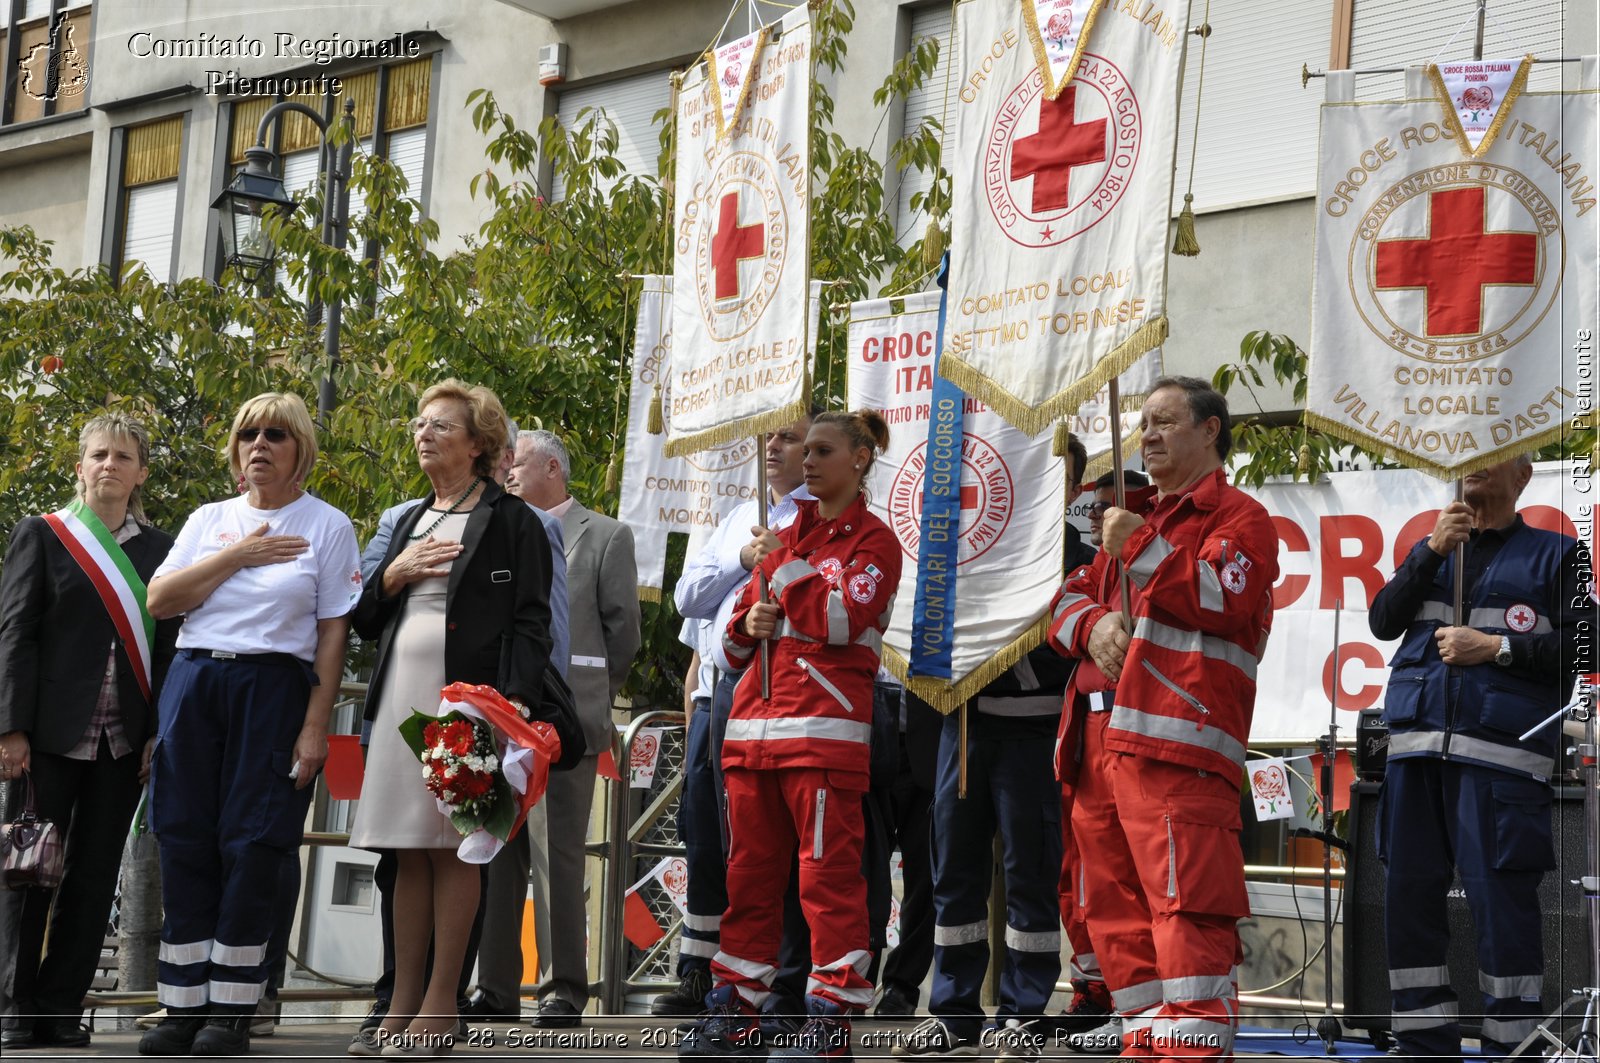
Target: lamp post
(248, 246)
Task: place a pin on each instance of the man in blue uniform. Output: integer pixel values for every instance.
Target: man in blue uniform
(1463, 791)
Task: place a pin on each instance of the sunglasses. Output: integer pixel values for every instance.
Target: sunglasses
(274, 435)
(1097, 509)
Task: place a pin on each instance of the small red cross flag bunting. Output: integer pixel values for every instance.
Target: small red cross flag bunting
(639, 923)
(741, 234)
(643, 756)
(1062, 123)
(1453, 311)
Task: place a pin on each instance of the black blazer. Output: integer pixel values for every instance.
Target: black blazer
(497, 604)
(54, 631)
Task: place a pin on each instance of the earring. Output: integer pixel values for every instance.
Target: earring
(858, 467)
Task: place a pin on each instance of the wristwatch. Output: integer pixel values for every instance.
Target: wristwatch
(1502, 656)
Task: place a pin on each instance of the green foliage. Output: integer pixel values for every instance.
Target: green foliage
(539, 306)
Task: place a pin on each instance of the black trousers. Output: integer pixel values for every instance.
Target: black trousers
(50, 940)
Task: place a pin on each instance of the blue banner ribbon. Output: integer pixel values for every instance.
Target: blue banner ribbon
(933, 624)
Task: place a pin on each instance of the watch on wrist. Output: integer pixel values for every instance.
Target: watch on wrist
(1502, 656)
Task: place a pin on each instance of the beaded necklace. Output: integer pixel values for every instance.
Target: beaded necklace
(425, 532)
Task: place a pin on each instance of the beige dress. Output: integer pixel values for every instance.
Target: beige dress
(396, 811)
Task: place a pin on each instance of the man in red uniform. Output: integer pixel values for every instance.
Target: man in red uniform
(1158, 824)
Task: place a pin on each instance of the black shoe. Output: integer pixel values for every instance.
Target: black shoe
(478, 1009)
(175, 1034)
(897, 1002)
(227, 1032)
(1082, 1015)
(689, 998)
(731, 1030)
(19, 1036)
(556, 1014)
(375, 1016)
(60, 1033)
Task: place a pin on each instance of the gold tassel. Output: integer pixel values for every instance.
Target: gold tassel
(932, 245)
(653, 422)
(1184, 243)
(1302, 462)
(613, 471)
(1059, 441)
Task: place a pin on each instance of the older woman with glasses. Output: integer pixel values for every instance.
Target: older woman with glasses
(463, 595)
(266, 581)
(79, 667)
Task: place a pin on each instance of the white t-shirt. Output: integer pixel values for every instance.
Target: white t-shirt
(269, 608)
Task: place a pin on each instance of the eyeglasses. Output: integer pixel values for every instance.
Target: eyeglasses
(274, 435)
(1098, 509)
(440, 426)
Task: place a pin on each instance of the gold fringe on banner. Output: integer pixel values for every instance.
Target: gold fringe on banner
(1452, 118)
(613, 472)
(1061, 440)
(1531, 445)
(756, 425)
(649, 594)
(1030, 19)
(1031, 420)
(1101, 464)
(946, 696)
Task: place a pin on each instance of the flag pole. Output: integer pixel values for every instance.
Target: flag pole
(1120, 491)
(761, 577)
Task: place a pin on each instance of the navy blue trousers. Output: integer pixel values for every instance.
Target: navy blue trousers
(1436, 818)
(225, 814)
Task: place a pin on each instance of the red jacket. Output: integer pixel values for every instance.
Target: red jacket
(835, 581)
(1202, 568)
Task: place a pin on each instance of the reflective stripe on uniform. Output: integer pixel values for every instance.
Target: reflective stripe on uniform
(755, 972)
(789, 572)
(1198, 987)
(1444, 613)
(1144, 566)
(1427, 1018)
(1508, 1031)
(704, 924)
(1469, 748)
(1182, 732)
(783, 728)
(186, 953)
(965, 934)
(1210, 588)
(238, 955)
(180, 996)
(688, 946)
(1033, 941)
(1418, 977)
(1136, 998)
(838, 619)
(1205, 1036)
(235, 992)
(1530, 986)
(1209, 646)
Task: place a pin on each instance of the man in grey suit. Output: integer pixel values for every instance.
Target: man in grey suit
(603, 619)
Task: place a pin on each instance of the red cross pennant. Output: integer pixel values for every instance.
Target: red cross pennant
(732, 243)
(1456, 261)
(1061, 143)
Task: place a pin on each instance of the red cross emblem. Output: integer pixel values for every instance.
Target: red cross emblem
(1457, 260)
(732, 243)
(1521, 618)
(1061, 143)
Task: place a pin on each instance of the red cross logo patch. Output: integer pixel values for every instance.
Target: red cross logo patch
(1054, 168)
(1454, 264)
(1521, 618)
(740, 228)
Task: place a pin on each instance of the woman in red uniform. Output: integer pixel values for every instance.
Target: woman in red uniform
(796, 762)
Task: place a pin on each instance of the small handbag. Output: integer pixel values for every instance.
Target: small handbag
(32, 853)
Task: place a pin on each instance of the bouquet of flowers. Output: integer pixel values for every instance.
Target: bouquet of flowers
(484, 763)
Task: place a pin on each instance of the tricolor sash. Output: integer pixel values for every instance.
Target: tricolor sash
(121, 590)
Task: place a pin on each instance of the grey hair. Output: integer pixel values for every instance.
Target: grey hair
(547, 442)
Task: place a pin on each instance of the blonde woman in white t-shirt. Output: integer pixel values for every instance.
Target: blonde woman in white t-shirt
(266, 581)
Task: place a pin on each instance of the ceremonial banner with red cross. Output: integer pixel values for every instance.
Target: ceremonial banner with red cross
(740, 240)
(1061, 195)
(1009, 537)
(1092, 423)
(1453, 311)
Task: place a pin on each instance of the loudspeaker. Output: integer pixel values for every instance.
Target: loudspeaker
(1372, 745)
(1366, 969)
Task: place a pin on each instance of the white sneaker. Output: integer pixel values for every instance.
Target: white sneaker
(146, 1022)
(1100, 1041)
(932, 1039)
(1016, 1040)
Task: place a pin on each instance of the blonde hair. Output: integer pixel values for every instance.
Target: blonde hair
(276, 409)
(120, 428)
(861, 428)
(486, 419)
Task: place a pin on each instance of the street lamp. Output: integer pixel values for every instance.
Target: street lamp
(249, 247)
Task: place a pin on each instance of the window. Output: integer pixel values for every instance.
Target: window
(401, 92)
(151, 159)
(631, 105)
(44, 45)
(927, 101)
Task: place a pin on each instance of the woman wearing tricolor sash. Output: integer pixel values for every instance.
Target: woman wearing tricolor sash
(266, 581)
(81, 663)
